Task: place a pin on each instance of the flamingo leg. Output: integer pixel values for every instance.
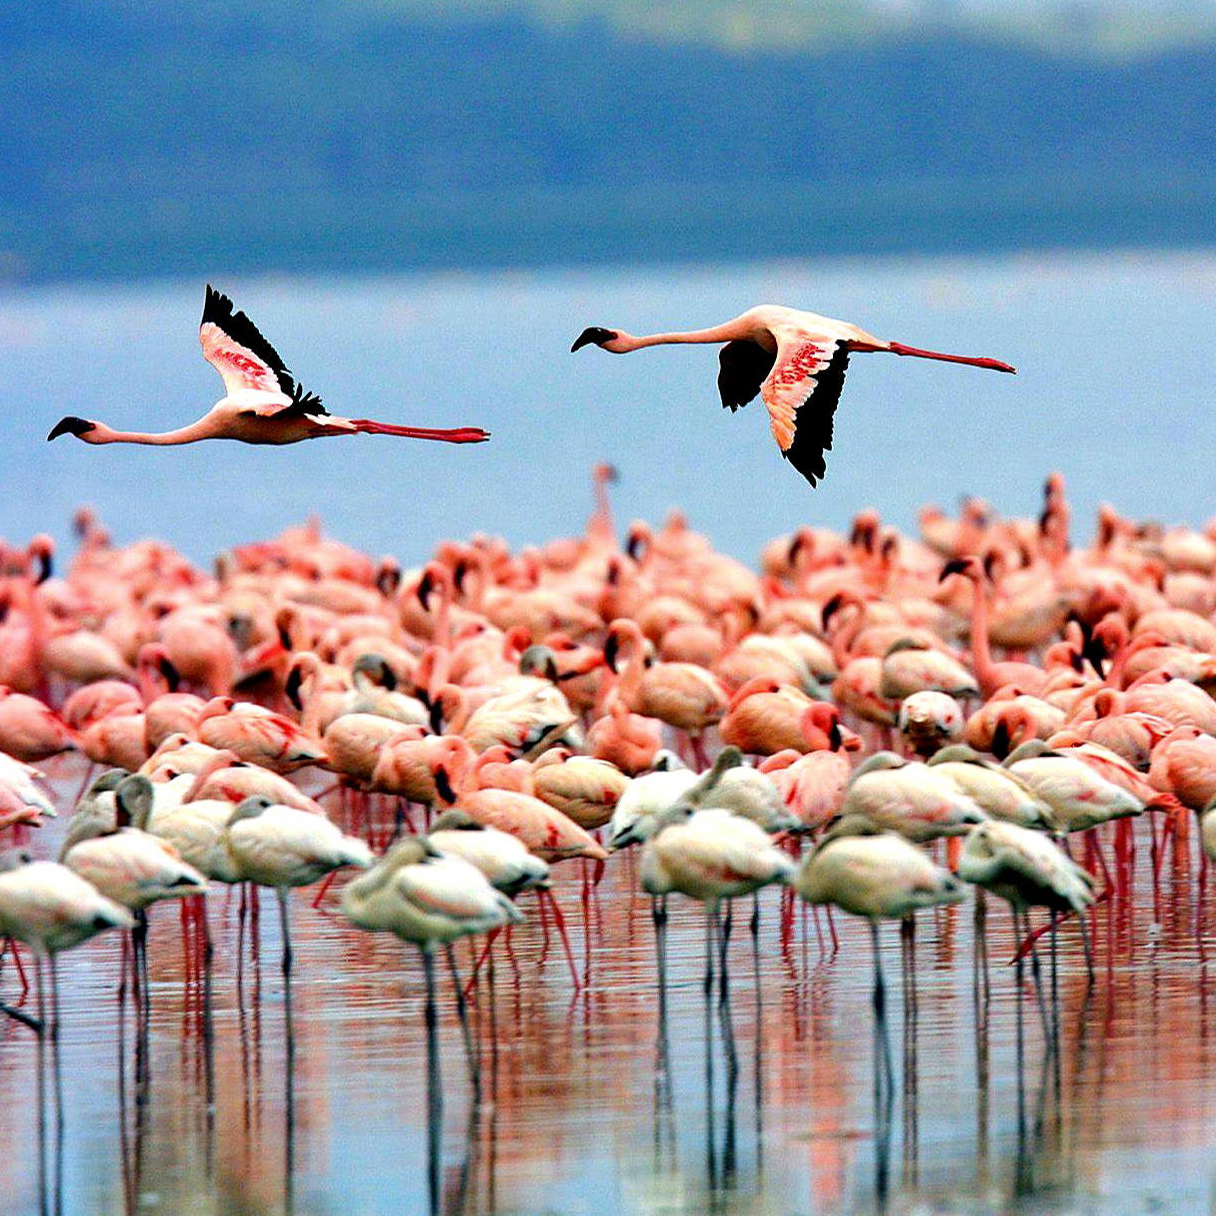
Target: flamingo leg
(559, 920)
(879, 1000)
(462, 1011)
(723, 925)
(289, 1025)
(434, 1125)
(329, 878)
(480, 960)
(56, 1070)
(25, 983)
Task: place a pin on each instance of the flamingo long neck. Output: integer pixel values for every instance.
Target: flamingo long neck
(981, 649)
(844, 636)
(38, 629)
(1115, 674)
(600, 527)
(631, 678)
(464, 707)
(310, 693)
(202, 429)
(716, 333)
(146, 676)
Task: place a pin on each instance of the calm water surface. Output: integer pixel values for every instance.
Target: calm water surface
(1115, 359)
(580, 1120)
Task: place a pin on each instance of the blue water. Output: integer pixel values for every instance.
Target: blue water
(1115, 356)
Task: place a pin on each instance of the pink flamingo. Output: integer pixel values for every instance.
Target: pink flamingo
(795, 360)
(262, 403)
(683, 695)
(991, 675)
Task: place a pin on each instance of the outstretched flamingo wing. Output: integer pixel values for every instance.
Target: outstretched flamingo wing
(742, 366)
(247, 363)
(801, 393)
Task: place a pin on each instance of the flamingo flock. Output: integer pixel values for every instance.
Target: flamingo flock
(871, 722)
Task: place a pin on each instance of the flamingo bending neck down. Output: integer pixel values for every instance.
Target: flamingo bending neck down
(263, 403)
(795, 360)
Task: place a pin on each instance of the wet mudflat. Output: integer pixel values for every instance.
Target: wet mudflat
(592, 1103)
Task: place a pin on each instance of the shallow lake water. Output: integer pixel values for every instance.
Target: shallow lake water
(587, 1108)
(1114, 357)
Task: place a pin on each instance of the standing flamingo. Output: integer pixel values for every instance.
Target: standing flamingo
(50, 908)
(262, 403)
(881, 876)
(795, 360)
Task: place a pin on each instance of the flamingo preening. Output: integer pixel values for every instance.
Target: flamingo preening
(795, 360)
(263, 403)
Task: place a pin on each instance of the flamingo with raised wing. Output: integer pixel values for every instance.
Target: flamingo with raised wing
(262, 403)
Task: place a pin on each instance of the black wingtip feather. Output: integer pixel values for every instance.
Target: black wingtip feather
(813, 424)
(304, 402)
(219, 310)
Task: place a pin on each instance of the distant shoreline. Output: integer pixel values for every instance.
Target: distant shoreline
(554, 229)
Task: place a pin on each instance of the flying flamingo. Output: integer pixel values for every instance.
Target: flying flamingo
(262, 403)
(795, 360)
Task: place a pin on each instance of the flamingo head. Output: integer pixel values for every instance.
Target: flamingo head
(597, 335)
(388, 577)
(42, 550)
(969, 567)
(71, 425)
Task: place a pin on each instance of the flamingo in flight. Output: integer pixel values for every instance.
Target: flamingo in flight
(263, 403)
(795, 360)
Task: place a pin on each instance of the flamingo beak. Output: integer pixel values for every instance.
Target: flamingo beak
(71, 425)
(611, 645)
(425, 586)
(443, 785)
(595, 335)
(292, 688)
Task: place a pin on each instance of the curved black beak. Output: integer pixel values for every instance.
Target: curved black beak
(954, 566)
(171, 675)
(292, 688)
(443, 785)
(425, 586)
(829, 610)
(611, 646)
(593, 335)
(388, 580)
(71, 425)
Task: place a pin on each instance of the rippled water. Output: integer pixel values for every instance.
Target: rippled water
(578, 1118)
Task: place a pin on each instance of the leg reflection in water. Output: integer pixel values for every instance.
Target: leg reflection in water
(884, 1077)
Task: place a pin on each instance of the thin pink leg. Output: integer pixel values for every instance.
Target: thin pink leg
(329, 878)
(559, 920)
